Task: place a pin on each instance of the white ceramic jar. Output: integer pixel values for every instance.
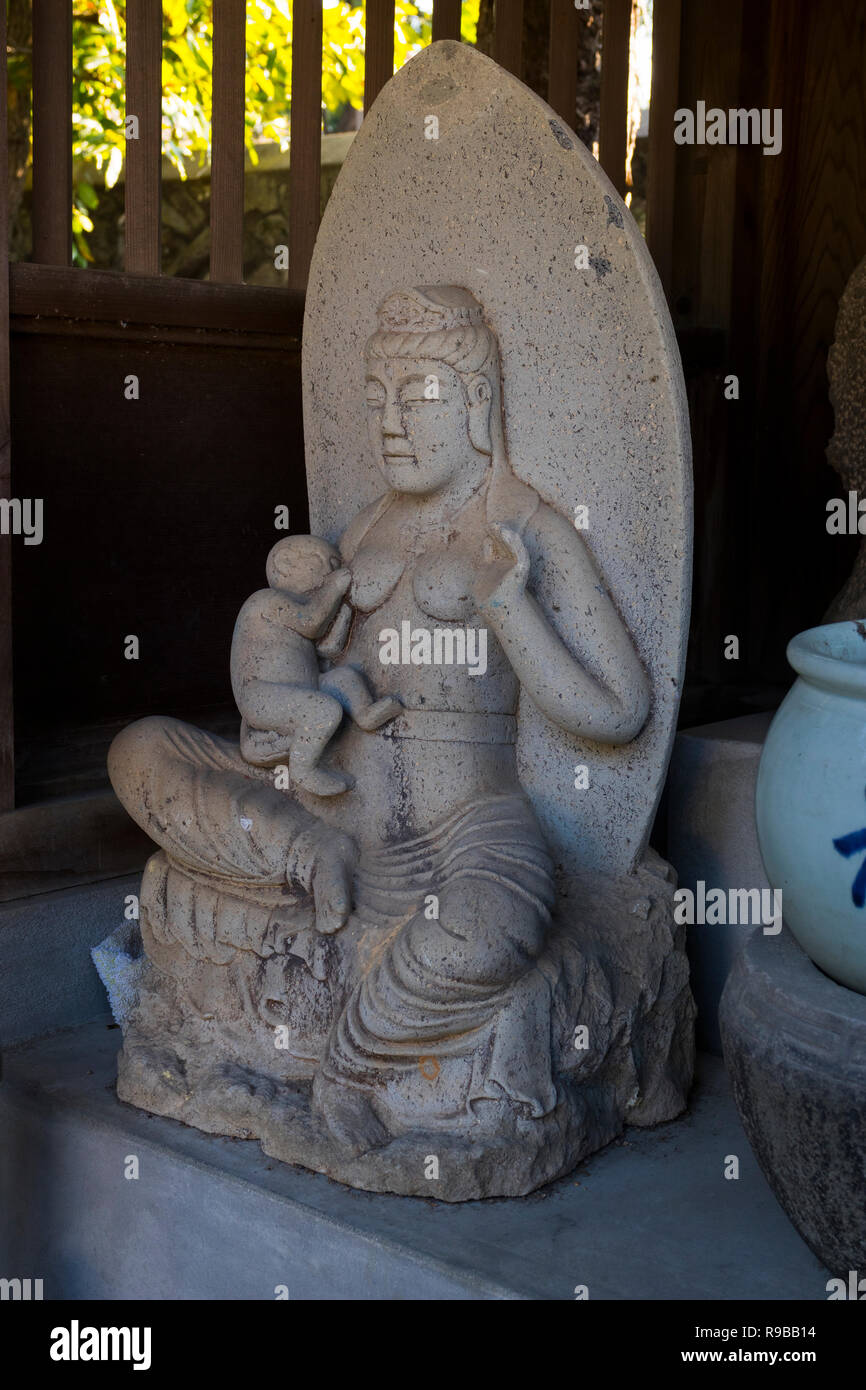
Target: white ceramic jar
(811, 800)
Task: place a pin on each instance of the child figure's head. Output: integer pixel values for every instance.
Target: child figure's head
(301, 563)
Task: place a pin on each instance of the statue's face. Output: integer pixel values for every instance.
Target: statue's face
(418, 420)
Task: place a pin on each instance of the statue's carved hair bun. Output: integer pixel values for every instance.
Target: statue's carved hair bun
(429, 309)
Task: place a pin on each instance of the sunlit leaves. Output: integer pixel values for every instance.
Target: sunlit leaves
(99, 80)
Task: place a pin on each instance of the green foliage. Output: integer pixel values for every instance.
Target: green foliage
(98, 96)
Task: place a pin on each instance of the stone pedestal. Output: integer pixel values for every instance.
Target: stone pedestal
(795, 1047)
(712, 837)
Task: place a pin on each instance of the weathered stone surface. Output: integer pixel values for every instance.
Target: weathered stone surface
(795, 1047)
(846, 452)
(421, 940)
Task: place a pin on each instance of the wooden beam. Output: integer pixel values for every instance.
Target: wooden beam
(508, 35)
(92, 330)
(104, 296)
(144, 155)
(661, 158)
(378, 49)
(562, 60)
(305, 176)
(52, 131)
(227, 141)
(613, 119)
(7, 743)
(65, 841)
(446, 19)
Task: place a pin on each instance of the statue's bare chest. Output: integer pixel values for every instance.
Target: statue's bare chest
(406, 613)
(435, 584)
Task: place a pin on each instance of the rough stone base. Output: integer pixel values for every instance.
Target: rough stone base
(795, 1047)
(244, 1105)
(616, 963)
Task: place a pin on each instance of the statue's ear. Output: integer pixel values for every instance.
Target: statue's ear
(479, 394)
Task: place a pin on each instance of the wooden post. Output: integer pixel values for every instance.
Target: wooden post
(7, 746)
(613, 119)
(446, 19)
(508, 35)
(227, 141)
(306, 138)
(562, 60)
(52, 131)
(661, 159)
(144, 155)
(378, 49)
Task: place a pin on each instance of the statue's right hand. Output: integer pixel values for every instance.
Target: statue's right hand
(335, 586)
(323, 861)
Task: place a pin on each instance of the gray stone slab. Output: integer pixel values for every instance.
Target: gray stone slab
(213, 1218)
(47, 979)
(712, 837)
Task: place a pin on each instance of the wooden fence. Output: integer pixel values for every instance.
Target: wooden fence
(48, 289)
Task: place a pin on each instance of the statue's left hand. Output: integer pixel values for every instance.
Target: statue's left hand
(502, 579)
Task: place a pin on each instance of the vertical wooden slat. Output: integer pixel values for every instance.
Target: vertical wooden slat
(562, 62)
(508, 35)
(613, 117)
(52, 131)
(378, 48)
(661, 158)
(7, 746)
(144, 155)
(227, 141)
(446, 19)
(306, 137)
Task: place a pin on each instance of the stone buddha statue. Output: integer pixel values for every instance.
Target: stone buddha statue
(366, 979)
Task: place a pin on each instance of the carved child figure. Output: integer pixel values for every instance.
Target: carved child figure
(288, 707)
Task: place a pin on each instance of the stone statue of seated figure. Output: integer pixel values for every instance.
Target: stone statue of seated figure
(368, 979)
(290, 710)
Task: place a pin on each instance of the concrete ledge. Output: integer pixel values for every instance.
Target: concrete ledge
(712, 836)
(648, 1218)
(67, 842)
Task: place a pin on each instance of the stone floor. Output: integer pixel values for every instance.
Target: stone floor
(652, 1217)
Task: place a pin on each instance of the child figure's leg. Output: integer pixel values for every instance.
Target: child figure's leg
(264, 747)
(350, 687)
(316, 717)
